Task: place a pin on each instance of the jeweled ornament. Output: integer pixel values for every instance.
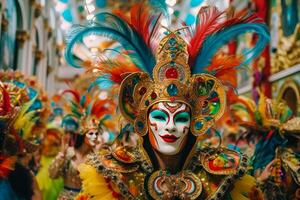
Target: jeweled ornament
(172, 90)
(198, 125)
(171, 73)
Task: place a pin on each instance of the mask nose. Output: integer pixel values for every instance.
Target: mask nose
(170, 127)
(171, 130)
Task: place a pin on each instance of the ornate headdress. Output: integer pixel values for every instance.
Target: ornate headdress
(17, 119)
(86, 114)
(267, 114)
(183, 71)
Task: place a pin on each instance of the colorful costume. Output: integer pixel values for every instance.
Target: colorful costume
(16, 123)
(83, 119)
(278, 134)
(51, 143)
(169, 101)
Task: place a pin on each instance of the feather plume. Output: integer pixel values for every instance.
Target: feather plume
(133, 34)
(103, 82)
(112, 71)
(214, 29)
(206, 23)
(160, 6)
(25, 120)
(75, 94)
(5, 106)
(6, 165)
(247, 105)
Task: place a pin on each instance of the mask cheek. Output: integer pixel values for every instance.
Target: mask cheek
(91, 139)
(152, 139)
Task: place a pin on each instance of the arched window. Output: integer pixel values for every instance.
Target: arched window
(17, 43)
(290, 96)
(36, 48)
(290, 93)
(8, 35)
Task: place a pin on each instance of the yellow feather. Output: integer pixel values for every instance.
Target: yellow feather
(25, 120)
(93, 184)
(242, 188)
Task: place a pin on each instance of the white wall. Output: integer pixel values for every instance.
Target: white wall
(37, 25)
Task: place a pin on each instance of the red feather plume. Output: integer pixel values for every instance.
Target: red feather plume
(142, 20)
(5, 106)
(210, 20)
(6, 165)
(102, 107)
(75, 94)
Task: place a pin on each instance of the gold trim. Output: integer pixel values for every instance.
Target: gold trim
(294, 86)
(288, 48)
(22, 36)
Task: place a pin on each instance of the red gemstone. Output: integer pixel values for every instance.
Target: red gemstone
(171, 73)
(153, 95)
(143, 90)
(200, 80)
(172, 99)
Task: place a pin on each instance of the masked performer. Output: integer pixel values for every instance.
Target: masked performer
(170, 102)
(82, 130)
(50, 147)
(275, 134)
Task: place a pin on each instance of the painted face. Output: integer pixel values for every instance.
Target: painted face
(169, 125)
(92, 137)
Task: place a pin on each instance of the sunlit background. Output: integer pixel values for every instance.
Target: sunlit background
(33, 40)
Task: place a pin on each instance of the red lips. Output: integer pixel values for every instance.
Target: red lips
(169, 138)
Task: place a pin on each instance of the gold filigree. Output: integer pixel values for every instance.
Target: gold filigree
(172, 81)
(288, 48)
(184, 185)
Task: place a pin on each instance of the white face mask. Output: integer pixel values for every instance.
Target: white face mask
(169, 126)
(92, 137)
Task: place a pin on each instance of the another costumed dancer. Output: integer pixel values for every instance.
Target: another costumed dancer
(82, 127)
(170, 101)
(275, 133)
(17, 181)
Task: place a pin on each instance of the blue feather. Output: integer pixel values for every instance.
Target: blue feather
(103, 82)
(160, 5)
(111, 26)
(216, 41)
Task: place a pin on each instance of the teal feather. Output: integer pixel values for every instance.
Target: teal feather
(159, 5)
(214, 42)
(103, 82)
(113, 27)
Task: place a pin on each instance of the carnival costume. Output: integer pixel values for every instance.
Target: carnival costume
(181, 87)
(272, 122)
(84, 118)
(50, 147)
(17, 120)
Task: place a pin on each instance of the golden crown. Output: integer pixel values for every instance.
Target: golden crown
(172, 81)
(88, 123)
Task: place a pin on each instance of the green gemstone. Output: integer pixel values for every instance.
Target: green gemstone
(147, 103)
(208, 118)
(135, 80)
(202, 89)
(214, 108)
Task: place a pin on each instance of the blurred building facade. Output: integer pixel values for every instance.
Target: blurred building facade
(31, 37)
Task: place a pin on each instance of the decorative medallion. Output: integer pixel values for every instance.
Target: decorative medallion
(184, 185)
